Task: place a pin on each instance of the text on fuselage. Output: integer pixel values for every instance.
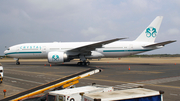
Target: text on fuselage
(30, 47)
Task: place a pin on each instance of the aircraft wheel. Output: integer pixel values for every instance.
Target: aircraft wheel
(79, 63)
(17, 63)
(84, 63)
(87, 63)
(72, 99)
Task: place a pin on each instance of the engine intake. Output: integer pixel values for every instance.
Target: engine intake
(57, 57)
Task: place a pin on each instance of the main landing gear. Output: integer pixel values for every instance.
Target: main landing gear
(83, 63)
(83, 60)
(17, 62)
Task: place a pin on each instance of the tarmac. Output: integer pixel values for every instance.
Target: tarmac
(153, 73)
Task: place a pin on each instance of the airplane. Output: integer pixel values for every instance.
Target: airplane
(60, 52)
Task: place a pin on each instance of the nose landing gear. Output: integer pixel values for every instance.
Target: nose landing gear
(17, 62)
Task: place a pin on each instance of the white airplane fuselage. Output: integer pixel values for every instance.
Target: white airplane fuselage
(41, 50)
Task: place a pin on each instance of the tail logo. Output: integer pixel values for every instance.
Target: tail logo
(55, 58)
(151, 31)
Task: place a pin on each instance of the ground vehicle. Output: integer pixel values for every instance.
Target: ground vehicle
(75, 94)
(1, 73)
(60, 83)
(136, 94)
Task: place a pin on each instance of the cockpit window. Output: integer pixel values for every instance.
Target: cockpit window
(8, 49)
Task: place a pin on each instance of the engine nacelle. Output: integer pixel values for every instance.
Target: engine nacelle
(57, 57)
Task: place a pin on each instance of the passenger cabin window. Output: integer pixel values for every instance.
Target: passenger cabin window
(31, 49)
(54, 49)
(65, 48)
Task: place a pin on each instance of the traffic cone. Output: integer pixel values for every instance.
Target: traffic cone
(175, 64)
(4, 93)
(44, 64)
(50, 65)
(129, 68)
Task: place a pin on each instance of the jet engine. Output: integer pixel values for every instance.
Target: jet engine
(57, 57)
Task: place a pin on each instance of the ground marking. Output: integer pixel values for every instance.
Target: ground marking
(162, 80)
(23, 80)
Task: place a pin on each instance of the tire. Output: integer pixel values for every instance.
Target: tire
(72, 99)
(88, 63)
(79, 63)
(17, 63)
(84, 63)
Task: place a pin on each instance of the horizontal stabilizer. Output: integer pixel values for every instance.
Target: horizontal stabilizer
(159, 44)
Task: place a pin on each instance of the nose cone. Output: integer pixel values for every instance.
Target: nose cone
(5, 52)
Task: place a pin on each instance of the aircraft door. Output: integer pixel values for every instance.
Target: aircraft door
(18, 48)
(44, 49)
(131, 48)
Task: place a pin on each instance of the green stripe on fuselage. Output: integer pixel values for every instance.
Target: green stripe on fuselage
(22, 52)
(126, 50)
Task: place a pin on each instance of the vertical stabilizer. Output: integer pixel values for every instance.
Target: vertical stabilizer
(150, 33)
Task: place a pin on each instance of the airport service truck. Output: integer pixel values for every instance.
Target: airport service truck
(1, 73)
(75, 94)
(135, 94)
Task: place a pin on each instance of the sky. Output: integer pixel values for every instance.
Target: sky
(33, 21)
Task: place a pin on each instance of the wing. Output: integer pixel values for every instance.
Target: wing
(159, 44)
(88, 48)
